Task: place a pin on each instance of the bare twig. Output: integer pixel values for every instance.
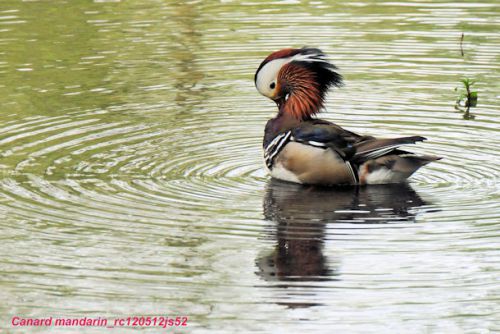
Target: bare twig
(461, 44)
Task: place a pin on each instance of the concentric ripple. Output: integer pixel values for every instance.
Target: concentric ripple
(132, 180)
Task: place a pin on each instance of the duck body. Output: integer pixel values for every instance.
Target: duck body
(302, 149)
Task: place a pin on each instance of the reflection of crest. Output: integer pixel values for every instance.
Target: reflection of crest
(302, 214)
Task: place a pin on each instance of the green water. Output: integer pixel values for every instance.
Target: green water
(132, 180)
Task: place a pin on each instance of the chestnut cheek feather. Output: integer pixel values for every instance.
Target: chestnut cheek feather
(304, 102)
(306, 98)
(278, 89)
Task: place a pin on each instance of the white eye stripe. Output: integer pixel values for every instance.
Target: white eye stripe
(314, 57)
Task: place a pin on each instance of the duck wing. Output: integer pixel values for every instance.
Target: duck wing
(374, 148)
(324, 134)
(349, 145)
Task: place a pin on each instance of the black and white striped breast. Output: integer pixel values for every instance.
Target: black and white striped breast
(274, 147)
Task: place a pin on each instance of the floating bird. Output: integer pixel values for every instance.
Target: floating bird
(303, 149)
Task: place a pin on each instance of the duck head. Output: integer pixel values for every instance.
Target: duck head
(297, 80)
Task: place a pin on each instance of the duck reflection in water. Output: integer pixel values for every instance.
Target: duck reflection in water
(303, 213)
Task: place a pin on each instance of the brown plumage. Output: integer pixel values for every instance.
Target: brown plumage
(302, 149)
(305, 98)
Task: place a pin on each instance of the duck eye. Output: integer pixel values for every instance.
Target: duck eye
(272, 85)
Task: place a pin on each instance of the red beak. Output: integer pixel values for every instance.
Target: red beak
(280, 102)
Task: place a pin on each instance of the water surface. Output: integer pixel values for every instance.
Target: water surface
(132, 181)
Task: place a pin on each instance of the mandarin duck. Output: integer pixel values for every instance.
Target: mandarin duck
(300, 148)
